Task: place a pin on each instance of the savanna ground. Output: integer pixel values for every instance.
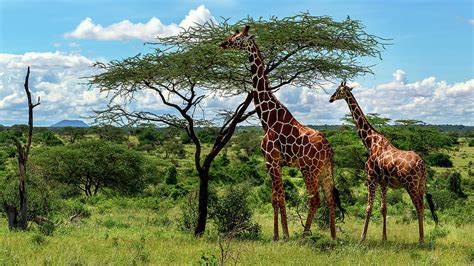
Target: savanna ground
(124, 231)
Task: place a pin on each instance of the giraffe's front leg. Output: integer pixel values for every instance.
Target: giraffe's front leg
(272, 157)
(371, 186)
(277, 185)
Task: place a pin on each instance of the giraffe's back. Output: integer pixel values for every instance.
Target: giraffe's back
(402, 168)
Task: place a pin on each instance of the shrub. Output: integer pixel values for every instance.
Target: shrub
(231, 213)
(38, 239)
(471, 143)
(439, 159)
(455, 184)
(171, 176)
(79, 209)
(47, 228)
(189, 212)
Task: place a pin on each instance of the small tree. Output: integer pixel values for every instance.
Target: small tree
(73, 133)
(373, 118)
(20, 219)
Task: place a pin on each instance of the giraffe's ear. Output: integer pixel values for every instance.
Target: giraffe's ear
(342, 83)
(236, 31)
(350, 88)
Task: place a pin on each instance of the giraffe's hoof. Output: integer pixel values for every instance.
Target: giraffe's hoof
(276, 238)
(307, 233)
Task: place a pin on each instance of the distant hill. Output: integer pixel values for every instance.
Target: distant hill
(70, 123)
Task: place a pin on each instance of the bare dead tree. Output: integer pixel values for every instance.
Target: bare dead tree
(19, 219)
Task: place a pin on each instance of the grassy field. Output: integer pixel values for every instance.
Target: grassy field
(121, 233)
(125, 231)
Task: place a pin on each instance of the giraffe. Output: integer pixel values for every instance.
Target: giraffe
(286, 142)
(387, 165)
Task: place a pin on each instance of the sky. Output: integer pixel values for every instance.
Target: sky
(427, 73)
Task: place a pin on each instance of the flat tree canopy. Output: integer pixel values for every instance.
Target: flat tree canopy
(301, 50)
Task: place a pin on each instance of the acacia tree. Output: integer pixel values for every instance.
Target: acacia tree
(301, 50)
(19, 219)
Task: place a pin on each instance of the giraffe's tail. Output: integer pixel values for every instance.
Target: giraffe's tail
(337, 200)
(429, 199)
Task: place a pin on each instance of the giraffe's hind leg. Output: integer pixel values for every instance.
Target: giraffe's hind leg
(314, 203)
(383, 208)
(417, 200)
(328, 187)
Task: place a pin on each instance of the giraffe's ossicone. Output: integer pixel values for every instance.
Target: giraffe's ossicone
(286, 142)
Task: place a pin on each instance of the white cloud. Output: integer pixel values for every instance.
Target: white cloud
(429, 100)
(126, 30)
(471, 21)
(400, 76)
(56, 77)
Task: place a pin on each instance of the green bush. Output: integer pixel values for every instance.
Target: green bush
(79, 209)
(38, 239)
(471, 143)
(47, 228)
(455, 184)
(232, 214)
(171, 176)
(189, 212)
(439, 159)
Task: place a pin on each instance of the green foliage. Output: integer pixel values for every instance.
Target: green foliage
(232, 214)
(439, 159)
(373, 118)
(38, 239)
(50, 139)
(72, 133)
(455, 184)
(247, 141)
(110, 133)
(437, 233)
(77, 208)
(171, 176)
(291, 192)
(90, 166)
(471, 143)
(47, 228)
(422, 139)
(207, 134)
(208, 260)
(149, 137)
(320, 242)
(189, 212)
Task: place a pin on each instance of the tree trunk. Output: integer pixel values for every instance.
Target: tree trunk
(203, 199)
(12, 215)
(23, 221)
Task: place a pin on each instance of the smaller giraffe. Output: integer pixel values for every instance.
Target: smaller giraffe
(387, 165)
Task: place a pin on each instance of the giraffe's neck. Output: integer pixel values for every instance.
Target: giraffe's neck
(266, 104)
(364, 129)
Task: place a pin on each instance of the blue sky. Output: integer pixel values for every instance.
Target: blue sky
(428, 70)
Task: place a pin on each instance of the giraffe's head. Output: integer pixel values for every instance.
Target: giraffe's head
(341, 92)
(237, 40)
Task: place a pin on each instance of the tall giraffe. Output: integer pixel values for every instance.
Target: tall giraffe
(387, 165)
(286, 142)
